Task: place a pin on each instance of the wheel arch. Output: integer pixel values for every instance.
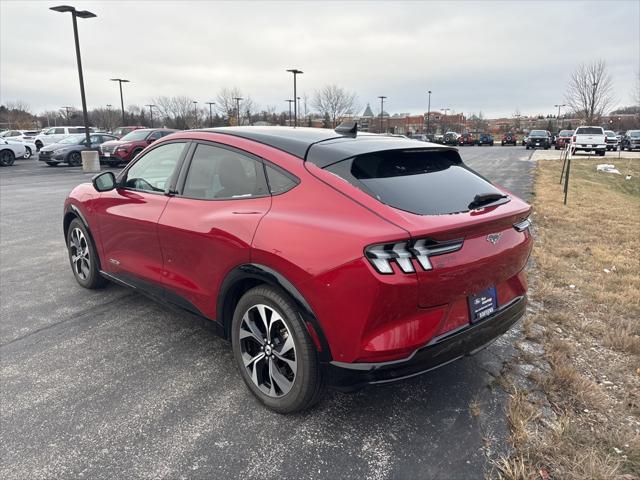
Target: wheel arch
(243, 278)
(72, 212)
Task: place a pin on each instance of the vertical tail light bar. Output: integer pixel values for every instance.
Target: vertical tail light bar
(381, 256)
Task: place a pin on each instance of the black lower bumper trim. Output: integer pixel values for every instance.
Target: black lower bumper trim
(445, 350)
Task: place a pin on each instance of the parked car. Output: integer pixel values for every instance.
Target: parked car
(116, 152)
(122, 131)
(509, 139)
(538, 139)
(611, 140)
(552, 137)
(325, 258)
(588, 139)
(563, 139)
(450, 138)
(68, 150)
(419, 136)
(55, 134)
(24, 136)
(467, 139)
(631, 140)
(9, 151)
(485, 139)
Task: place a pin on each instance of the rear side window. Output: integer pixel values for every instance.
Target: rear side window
(217, 173)
(589, 131)
(279, 181)
(418, 181)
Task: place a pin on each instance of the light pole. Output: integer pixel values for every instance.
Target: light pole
(110, 127)
(195, 114)
(558, 117)
(429, 114)
(445, 110)
(237, 99)
(120, 82)
(66, 114)
(381, 97)
(151, 113)
(295, 72)
(290, 102)
(210, 113)
(82, 14)
(298, 109)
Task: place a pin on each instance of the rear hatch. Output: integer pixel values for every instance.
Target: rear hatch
(443, 204)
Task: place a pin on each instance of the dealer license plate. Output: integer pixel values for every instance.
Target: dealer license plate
(483, 304)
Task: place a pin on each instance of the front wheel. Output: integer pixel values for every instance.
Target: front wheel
(83, 256)
(274, 352)
(7, 158)
(74, 159)
(27, 153)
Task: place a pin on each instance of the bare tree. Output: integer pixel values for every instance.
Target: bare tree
(635, 94)
(478, 122)
(17, 114)
(176, 112)
(334, 102)
(590, 92)
(227, 105)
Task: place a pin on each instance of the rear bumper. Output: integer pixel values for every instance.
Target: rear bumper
(438, 352)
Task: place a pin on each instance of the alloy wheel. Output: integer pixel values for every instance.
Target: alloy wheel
(79, 251)
(27, 153)
(268, 350)
(74, 159)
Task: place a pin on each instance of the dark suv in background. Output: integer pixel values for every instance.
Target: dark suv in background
(124, 150)
(631, 140)
(538, 139)
(485, 139)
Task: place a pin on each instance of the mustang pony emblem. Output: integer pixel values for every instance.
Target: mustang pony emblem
(494, 238)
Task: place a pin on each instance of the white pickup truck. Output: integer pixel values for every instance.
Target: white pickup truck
(587, 139)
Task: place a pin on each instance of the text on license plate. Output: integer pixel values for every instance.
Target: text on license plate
(483, 304)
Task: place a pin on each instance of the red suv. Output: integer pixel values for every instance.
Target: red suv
(508, 139)
(325, 257)
(125, 149)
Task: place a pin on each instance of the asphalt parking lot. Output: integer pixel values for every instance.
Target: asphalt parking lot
(108, 384)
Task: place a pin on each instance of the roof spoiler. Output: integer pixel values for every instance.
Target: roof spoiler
(348, 129)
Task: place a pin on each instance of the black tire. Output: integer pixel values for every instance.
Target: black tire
(87, 273)
(52, 164)
(306, 384)
(39, 145)
(135, 153)
(27, 153)
(74, 159)
(503, 144)
(111, 163)
(491, 144)
(7, 157)
(527, 147)
(601, 153)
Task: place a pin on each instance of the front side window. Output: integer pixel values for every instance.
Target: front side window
(153, 171)
(58, 131)
(155, 136)
(218, 173)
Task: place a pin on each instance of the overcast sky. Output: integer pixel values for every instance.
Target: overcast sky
(490, 56)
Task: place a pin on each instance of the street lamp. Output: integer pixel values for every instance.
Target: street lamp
(381, 97)
(237, 99)
(290, 102)
(210, 113)
(109, 128)
(82, 14)
(295, 72)
(121, 81)
(429, 113)
(298, 109)
(151, 113)
(558, 117)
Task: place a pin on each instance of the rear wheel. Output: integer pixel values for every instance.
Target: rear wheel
(273, 350)
(74, 159)
(7, 158)
(83, 257)
(27, 153)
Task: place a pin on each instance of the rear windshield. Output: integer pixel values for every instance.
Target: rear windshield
(589, 131)
(419, 181)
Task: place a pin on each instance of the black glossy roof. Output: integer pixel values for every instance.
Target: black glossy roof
(322, 146)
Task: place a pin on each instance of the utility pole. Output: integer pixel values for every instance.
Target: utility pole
(210, 113)
(82, 14)
(290, 102)
(558, 117)
(120, 82)
(381, 97)
(110, 127)
(151, 113)
(237, 99)
(429, 114)
(295, 72)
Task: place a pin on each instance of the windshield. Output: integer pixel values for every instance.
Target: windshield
(135, 136)
(418, 181)
(72, 139)
(538, 133)
(634, 133)
(566, 133)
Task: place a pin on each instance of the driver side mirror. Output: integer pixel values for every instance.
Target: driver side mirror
(103, 182)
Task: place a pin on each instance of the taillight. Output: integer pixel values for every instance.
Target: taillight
(522, 225)
(403, 253)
